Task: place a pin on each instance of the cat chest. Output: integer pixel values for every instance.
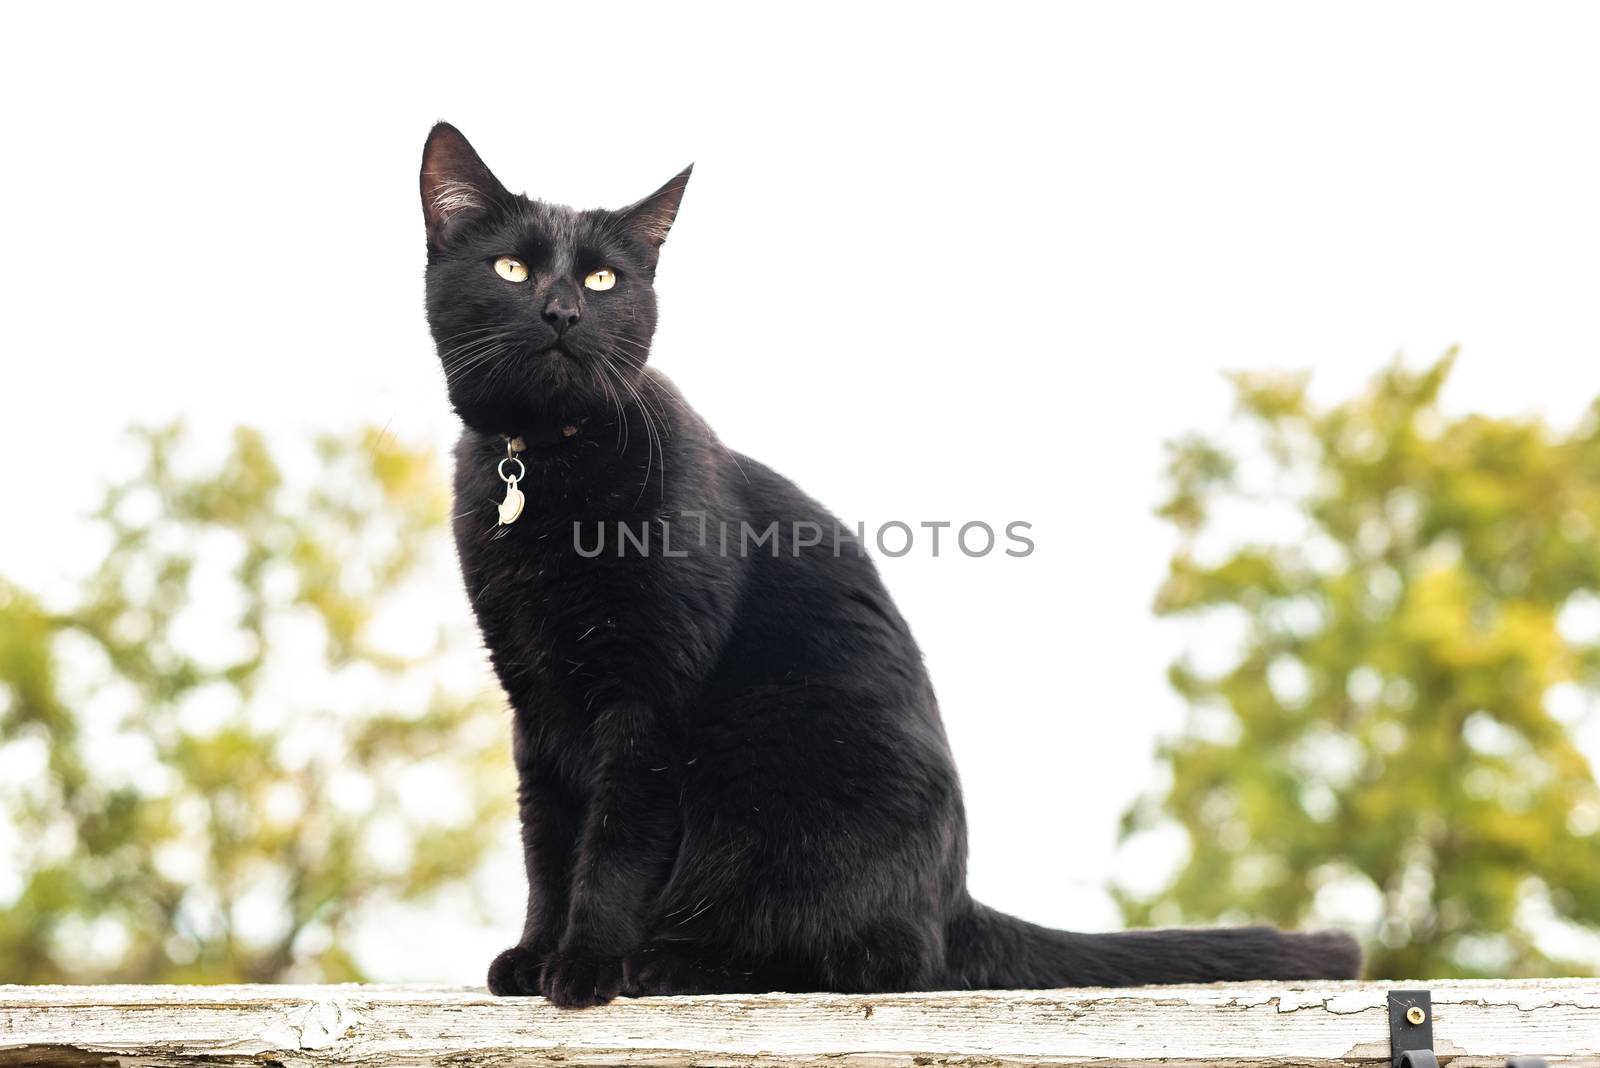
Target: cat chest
(560, 623)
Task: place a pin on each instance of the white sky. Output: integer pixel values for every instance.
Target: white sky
(933, 264)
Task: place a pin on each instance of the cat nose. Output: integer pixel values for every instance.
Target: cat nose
(561, 312)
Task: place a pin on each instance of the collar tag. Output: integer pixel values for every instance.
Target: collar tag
(511, 507)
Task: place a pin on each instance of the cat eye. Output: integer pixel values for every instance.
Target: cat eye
(512, 270)
(600, 280)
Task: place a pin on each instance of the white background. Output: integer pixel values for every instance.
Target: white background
(934, 263)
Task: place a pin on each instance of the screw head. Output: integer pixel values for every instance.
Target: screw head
(1416, 1016)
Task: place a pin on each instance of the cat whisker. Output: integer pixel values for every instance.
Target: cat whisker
(654, 442)
(663, 426)
(683, 409)
(463, 355)
(623, 435)
(602, 377)
(505, 361)
(465, 358)
(475, 355)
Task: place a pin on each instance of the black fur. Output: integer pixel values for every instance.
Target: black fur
(733, 772)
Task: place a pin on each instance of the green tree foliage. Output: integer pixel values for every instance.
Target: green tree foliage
(1419, 634)
(231, 741)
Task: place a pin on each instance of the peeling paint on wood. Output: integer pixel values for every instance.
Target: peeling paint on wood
(1233, 1024)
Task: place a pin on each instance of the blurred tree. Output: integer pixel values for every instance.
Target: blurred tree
(234, 740)
(1390, 743)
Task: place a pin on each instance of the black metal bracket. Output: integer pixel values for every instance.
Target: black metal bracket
(1411, 1029)
(1411, 1033)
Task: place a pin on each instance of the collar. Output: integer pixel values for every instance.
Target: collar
(543, 438)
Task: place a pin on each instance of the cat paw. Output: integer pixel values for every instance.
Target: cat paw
(577, 980)
(658, 973)
(515, 972)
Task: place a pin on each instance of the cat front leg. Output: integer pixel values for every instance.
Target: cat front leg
(625, 850)
(552, 819)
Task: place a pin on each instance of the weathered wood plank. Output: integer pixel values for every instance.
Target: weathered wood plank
(1238, 1024)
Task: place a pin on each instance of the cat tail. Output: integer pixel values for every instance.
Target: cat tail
(988, 950)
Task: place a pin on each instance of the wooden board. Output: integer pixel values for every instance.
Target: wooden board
(1475, 1023)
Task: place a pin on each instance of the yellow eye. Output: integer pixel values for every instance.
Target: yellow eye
(511, 270)
(602, 279)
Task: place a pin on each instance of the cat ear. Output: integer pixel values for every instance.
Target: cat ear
(651, 218)
(456, 184)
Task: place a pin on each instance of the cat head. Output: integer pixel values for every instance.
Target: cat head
(540, 312)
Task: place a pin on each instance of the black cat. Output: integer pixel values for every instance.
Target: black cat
(733, 772)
